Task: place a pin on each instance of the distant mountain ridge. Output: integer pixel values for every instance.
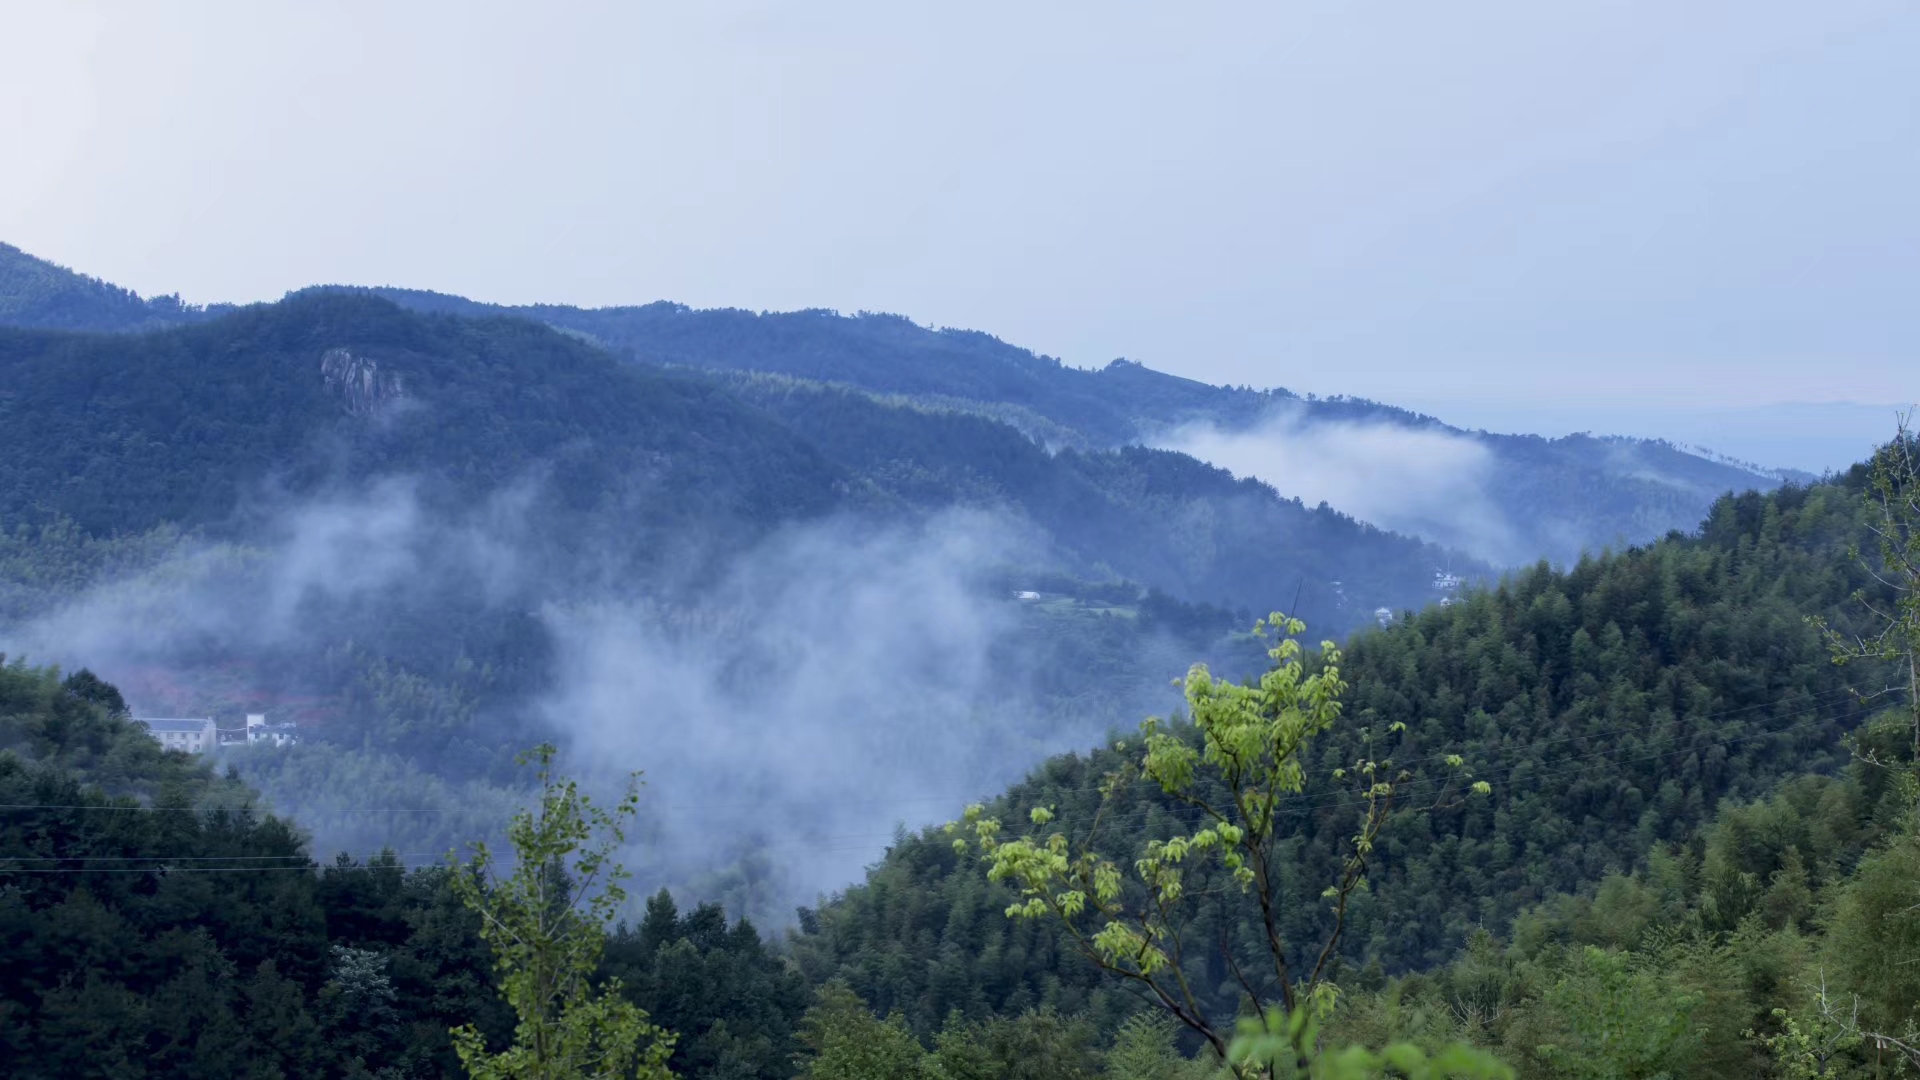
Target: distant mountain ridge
(1556, 497)
(886, 354)
(399, 515)
(126, 432)
(1509, 499)
(122, 433)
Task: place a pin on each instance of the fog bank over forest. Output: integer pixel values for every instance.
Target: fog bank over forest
(788, 708)
(1428, 482)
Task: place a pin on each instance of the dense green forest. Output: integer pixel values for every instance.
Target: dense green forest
(888, 354)
(368, 520)
(1554, 497)
(37, 293)
(175, 427)
(158, 923)
(197, 427)
(1612, 709)
(1153, 516)
(825, 577)
(1680, 867)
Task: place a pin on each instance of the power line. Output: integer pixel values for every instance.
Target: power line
(1291, 806)
(305, 811)
(1294, 806)
(186, 869)
(195, 858)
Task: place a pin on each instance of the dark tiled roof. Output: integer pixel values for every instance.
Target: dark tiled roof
(185, 727)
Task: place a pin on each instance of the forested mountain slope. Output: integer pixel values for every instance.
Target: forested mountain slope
(1578, 494)
(1611, 707)
(887, 354)
(337, 506)
(1771, 942)
(122, 433)
(402, 529)
(36, 293)
(1504, 498)
(157, 924)
(1153, 516)
(153, 922)
(1509, 498)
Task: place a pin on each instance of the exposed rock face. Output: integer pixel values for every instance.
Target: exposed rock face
(358, 381)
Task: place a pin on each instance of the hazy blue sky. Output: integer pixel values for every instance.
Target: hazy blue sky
(1605, 211)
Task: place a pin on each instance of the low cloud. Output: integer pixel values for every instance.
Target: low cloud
(790, 710)
(838, 682)
(309, 560)
(1422, 481)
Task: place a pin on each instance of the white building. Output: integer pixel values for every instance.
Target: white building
(195, 736)
(259, 731)
(1384, 616)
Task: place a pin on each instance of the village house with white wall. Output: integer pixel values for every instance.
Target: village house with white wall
(259, 731)
(194, 735)
(197, 735)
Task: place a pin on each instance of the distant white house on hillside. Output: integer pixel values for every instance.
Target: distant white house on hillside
(199, 735)
(1383, 616)
(259, 731)
(195, 736)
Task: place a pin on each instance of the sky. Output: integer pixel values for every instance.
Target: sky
(1644, 217)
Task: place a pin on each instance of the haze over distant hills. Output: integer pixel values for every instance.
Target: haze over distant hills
(1816, 436)
(1504, 499)
(438, 538)
(854, 572)
(1375, 541)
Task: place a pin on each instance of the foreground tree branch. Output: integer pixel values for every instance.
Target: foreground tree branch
(546, 922)
(1244, 766)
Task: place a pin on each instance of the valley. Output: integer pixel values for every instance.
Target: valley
(827, 581)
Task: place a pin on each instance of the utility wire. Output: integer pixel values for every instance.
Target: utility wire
(1294, 806)
(1825, 696)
